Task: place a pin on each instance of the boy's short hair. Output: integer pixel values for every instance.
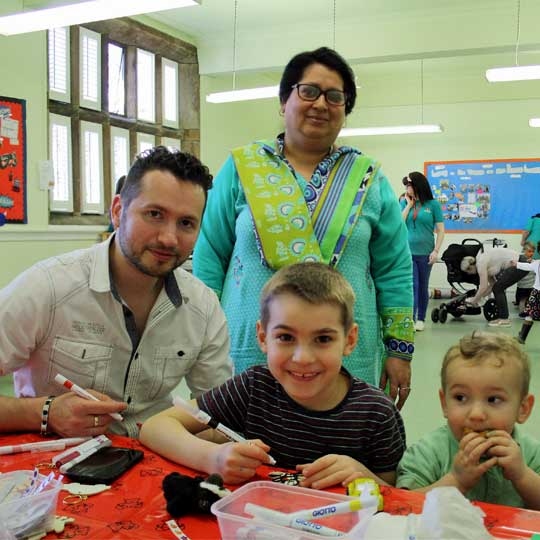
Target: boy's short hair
(478, 346)
(528, 245)
(314, 282)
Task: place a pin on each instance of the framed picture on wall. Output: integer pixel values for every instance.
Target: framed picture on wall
(12, 160)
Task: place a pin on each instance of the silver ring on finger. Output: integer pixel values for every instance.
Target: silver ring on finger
(96, 421)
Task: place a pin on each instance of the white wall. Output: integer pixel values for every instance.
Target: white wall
(24, 76)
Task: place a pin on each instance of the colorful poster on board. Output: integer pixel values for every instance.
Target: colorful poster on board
(486, 195)
(12, 160)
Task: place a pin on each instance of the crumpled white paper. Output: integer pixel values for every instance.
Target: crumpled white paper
(446, 515)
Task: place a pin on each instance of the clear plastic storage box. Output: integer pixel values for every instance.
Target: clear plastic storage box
(21, 516)
(236, 524)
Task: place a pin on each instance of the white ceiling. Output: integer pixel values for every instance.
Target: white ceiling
(384, 40)
(388, 43)
(365, 31)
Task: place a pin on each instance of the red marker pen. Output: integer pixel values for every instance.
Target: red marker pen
(81, 392)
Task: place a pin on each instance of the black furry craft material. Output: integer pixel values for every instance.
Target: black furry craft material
(188, 495)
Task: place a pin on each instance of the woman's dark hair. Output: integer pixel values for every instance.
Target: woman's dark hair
(421, 187)
(294, 71)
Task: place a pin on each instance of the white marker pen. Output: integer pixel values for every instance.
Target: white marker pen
(42, 446)
(205, 418)
(329, 510)
(83, 448)
(289, 520)
(66, 466)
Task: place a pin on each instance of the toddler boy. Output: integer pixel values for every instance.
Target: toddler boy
(485, 392)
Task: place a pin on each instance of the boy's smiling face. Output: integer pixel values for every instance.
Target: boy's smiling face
(484, 395)
(305, 344)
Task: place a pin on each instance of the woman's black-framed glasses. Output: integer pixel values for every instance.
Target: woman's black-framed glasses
(310, 92)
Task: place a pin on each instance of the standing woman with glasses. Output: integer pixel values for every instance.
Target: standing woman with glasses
(300, 197)
(422, 215)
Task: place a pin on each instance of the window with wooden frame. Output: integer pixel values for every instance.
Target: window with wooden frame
(114, 90)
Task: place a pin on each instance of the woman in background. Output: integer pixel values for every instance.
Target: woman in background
(300, 197)
(532, 233)
(422, 215)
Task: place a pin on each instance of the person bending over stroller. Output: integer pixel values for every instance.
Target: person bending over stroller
(496, 274)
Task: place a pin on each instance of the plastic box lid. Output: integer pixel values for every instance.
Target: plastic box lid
(235, 524)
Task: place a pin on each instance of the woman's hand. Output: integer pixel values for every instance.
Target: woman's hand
(410, 199)
(433, 257)
(397, 374)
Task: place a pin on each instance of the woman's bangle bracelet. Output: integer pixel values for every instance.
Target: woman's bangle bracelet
(45, 416)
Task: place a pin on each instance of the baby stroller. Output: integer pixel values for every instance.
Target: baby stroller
(457, 307)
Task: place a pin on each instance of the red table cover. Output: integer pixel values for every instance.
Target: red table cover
(134, 508)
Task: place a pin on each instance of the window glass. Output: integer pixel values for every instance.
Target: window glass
(146, 99)
(119, 155)
(59, 80)
(117, 77)
(91, 169)
(90, 69)
(169, 72)
(61, 196)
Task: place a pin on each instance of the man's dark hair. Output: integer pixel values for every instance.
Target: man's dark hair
(294, 71)
(119, 184)
(182, 165)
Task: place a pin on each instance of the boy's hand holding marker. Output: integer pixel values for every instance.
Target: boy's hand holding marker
(237, 461)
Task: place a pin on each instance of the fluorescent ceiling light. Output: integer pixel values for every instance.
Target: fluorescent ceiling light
(82, 12)
(391, 130)
(534, 122)
(243, 95)
(514, 73)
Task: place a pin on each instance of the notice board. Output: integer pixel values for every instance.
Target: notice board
(12, 160)
(496, 195)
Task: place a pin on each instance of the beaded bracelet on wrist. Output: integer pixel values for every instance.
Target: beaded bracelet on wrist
(45, 416)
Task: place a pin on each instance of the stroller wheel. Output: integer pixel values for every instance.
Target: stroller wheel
(435, 315)
(491, 311)
(443, 315)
